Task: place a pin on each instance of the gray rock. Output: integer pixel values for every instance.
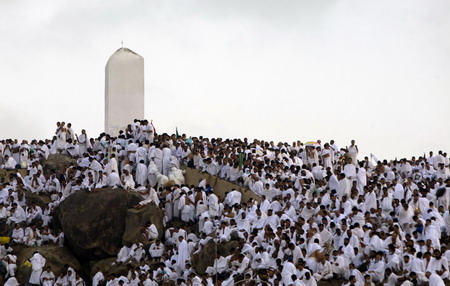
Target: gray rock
(94, 222)
(137, 218)
(206, 256)
(57, 164)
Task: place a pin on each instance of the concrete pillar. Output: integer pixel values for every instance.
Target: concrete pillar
(124, 90)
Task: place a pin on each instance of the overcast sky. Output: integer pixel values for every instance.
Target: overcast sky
(374, 71)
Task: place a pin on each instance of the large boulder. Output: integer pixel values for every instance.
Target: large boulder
(57, 163)
(41, 200)
(94, 222)
(5, 174)
(56, 258)
(206, 256)
(136, 218)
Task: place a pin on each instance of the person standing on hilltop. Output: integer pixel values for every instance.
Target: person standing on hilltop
(83, 142)
(353, 152)
(148, 131)
(70, 133)
(166, 154)
(327, 156)
(60, 136)
(141, 173)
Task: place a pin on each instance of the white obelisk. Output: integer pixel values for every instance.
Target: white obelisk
(124, 90)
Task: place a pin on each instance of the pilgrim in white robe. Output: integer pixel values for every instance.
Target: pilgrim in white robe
(288, 270)
(19, 215)
(233, 197)
(37, 265)
(344, 188)
(47, 278)
(123, 255)
(113, 180)
(177, 193)
(12, 281)
(83, 143)
(350, 171)
(183, 253)
(112, 166)
(361, 179)
(393, 262)
(418, 266)
(169, 206)
(333, 183)
(213, 205)
(257, 187)
(439, 265)
(327, 154)
(220, 265)
(18, 235)
(128, 182)
(405, 217)
(141, 174)
(187, 210)
(208, 227)
(338, 265)
(98, 278)
(156, 250)
(151, 174)
(10, 263)
(152, 232)
(141, 155)
(61, 280)
(376, 270)
(353, 152)
(137, 252)
(151, 197)
(435, 280)
(433, 234)
(447, 221)
(60, 138)
(224, 233)
(309, 280)
(158, 158)
(371, 200)
(176, 175)
(166, 154)
(324, 270)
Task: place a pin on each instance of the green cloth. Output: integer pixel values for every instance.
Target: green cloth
(241, 160)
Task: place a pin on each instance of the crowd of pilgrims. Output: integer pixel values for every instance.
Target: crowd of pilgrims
(321, 213)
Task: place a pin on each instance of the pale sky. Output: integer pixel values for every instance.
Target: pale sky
(374, 71)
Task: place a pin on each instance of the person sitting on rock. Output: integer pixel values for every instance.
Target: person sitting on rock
(33, 236)
(123, 256)
(137, 252)
(61, 281)
(47, 277)
(17, 234)
(127, 180)
(10, 263)
(156, 250)
(98, 278)
(71, 277)
(79, 281)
